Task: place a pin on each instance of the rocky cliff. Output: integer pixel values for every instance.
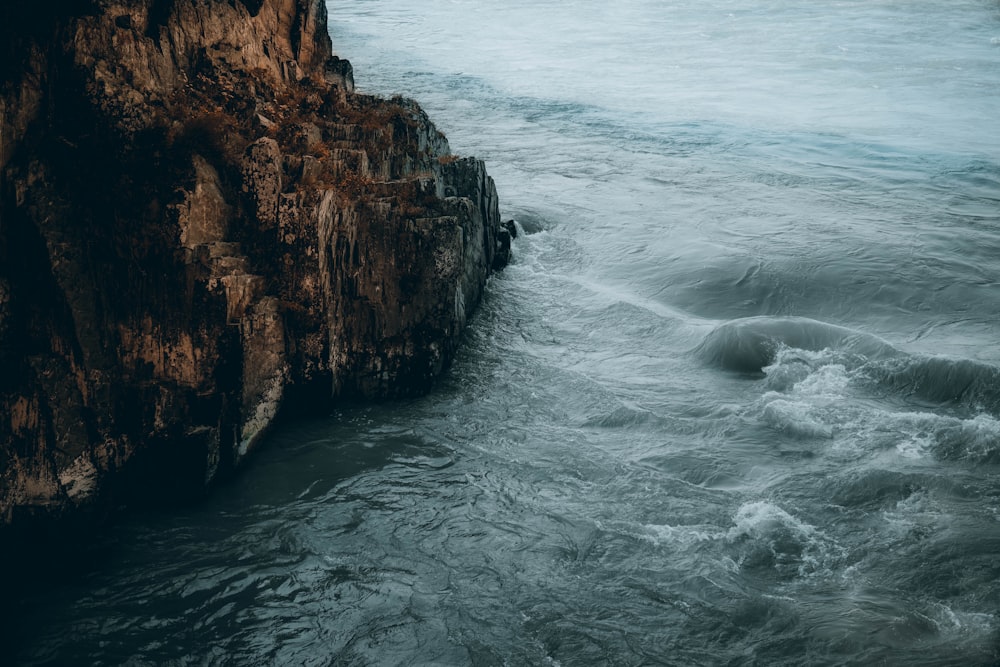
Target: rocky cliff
(200, 217)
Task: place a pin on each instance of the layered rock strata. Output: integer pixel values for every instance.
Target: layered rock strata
(199, 216)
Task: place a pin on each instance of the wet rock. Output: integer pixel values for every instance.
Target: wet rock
(511, 228)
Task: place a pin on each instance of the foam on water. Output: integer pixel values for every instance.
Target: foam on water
(815, 394)
(668, 536)
(751, 344)
(768, 537)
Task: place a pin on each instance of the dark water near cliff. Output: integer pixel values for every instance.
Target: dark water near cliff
(736, 402)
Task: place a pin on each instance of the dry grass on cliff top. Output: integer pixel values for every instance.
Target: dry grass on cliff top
(219, 112)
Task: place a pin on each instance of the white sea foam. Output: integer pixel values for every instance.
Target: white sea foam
(915, 447)
(820, 394)
(957, 625)
(922, 434)
(766, 536)
(679, 535)
(665, 535)
(762, 519)
(807, 390)
(795, 418)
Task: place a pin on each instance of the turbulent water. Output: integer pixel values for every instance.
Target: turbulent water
(737, 400)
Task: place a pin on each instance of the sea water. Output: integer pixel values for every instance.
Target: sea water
(736, 401)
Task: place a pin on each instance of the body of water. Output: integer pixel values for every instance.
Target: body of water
(736, 401)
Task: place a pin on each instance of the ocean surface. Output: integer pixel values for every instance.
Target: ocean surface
(736, 401)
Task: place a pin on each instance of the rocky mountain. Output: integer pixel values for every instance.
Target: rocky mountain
(201, 218)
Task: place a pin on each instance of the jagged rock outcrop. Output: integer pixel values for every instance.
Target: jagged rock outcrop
(199, 216)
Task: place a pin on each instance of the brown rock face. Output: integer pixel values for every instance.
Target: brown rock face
(199, 215)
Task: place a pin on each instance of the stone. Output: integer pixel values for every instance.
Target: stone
(262, 175)
(200, 217)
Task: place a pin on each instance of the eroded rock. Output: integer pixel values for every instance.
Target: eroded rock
(199, 215)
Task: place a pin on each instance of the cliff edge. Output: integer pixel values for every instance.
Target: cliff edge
(199, 216)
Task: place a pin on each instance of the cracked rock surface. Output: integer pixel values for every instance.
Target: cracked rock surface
(199, 216)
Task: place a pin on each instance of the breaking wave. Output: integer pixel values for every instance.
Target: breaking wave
(788, 349)
(748, 345)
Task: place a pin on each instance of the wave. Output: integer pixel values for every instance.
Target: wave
(943, 380)
(804, 360)
(818, 405)
(767, 538)
(750, 344)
